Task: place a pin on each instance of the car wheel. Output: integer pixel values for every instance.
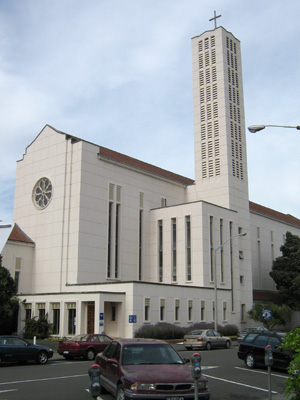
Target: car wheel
(42, 357)
(208, 346)
(90, 354)
(120, 393)
(227, 344)
(250, 360)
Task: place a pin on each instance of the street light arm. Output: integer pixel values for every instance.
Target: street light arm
(257, 128)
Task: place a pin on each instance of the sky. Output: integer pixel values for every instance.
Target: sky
(118, 73)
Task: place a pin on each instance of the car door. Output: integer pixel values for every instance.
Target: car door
(220, 341)
(112, 369)
(24, 350)
(211, 338)
(281, 358)
(105, 377)
(258, 348)
(8, 350)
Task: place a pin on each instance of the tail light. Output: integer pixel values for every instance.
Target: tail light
(199, 340)
(184, 340)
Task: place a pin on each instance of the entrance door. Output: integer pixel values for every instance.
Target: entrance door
(91, 318)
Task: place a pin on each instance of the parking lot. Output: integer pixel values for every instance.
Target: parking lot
(63, 380)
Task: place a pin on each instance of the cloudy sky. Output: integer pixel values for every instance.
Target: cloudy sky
(118, 73)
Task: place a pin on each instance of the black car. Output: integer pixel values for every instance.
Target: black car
(252, 350)
(13, 348)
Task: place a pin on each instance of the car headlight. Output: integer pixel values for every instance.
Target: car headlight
(142, 386)
(201, 385)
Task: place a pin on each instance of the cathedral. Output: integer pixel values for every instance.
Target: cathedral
(101, 241)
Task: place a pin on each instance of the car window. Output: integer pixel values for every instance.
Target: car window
(19, 342)
(8, 341)
(274, 342)
(109, 350)
(104, 338)
(217, 333)
(195, 332)
(250, 337)
(79, 338)
(117, 352)
(261, 340)
(95, 338)
(210, 333)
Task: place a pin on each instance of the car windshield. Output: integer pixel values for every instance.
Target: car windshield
(195, 333)
(150, 354)
(79, 338)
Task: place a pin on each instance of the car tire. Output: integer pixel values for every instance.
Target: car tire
(250, 361)
(227, 345)
(42, 357)
(208, 346)
(120, 393)
(90, 354)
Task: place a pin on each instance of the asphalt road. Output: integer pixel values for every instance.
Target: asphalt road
(228, 378)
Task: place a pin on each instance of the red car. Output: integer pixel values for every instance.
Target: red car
(84, 345)
(147, 369)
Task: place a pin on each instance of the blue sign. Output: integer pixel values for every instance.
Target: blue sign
(132, 319)
(101, 316)
(101, 323)
(266, 314)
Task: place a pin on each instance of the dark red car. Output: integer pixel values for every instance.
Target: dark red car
(147, 369)
(84, 345)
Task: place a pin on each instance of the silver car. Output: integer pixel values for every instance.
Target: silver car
(205, 339)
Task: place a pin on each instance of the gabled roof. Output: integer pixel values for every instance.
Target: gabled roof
(268, 212)
(17, 235)
(5, 231)
(108, 154)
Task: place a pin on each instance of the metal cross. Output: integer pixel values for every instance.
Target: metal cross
(215, 18)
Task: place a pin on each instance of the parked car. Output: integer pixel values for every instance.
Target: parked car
(206, 339)
(241, 335)
(252, 349)
(84, 345)
(13, 348)
(147, 368)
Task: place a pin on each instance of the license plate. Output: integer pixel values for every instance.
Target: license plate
(175, 398)
(66, 352)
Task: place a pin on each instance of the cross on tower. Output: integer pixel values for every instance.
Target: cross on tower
(215, 18)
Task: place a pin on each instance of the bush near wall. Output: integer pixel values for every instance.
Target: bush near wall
(167, 331)
(37, 327)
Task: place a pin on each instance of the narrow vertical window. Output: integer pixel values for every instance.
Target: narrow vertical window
(160, 251)
(147, 310)
(243, 312)
(162, 309)
(188, 248)
(55, 318)
(113, 312)
(18, 262)
(190, 310)
(211, 248)
(71, 318)
(231, 266)
(174, 249)
(140, 262)
(177, 309)
(109, 244)
(221, 251)
(27, 311)
(117, 234)
(202, 311)
(224, 311)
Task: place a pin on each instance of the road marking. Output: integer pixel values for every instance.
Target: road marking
(42, 379)
(212, 367)
(9, 390)
(261, 372)
(239, 384)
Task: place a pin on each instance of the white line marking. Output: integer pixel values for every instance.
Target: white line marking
(9, 390)
(42, 379)
(239, 384)
(261, 372)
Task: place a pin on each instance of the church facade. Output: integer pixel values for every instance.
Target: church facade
(106, 242)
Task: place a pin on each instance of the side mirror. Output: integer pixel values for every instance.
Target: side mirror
(112, 361)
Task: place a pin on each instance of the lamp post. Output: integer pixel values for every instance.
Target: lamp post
(257, 128)
(215, 275)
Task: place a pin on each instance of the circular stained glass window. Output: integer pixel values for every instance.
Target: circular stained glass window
(42, 193)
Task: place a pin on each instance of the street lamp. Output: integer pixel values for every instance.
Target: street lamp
(215, 275)
(257, 128)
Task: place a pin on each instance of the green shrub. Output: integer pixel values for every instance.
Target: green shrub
(292, 343)
(37, 327)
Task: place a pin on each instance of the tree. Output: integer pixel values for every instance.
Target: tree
(279, 314)
(8, 302)
(292, 343)
(286, 272)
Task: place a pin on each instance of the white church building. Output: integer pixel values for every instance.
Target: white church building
(105, 242)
